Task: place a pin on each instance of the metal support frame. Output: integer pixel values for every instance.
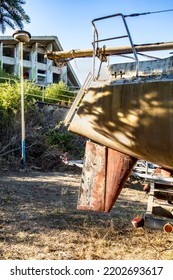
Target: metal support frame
(159, 214)
(96, 41)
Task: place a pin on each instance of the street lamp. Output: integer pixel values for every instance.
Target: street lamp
(23, 37)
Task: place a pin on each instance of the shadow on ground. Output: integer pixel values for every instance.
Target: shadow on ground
(39, 220)
(35, 201)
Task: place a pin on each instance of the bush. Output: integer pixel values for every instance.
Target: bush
(32, 92)
(6, 77)
(59, 93)
(41, 141)
(9, 103)
(66, 141)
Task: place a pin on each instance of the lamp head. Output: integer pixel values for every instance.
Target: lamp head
(22, 36)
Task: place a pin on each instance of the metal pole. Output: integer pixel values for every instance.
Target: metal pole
(23, 159)
(23, 37)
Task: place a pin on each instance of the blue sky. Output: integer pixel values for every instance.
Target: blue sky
(70, 21)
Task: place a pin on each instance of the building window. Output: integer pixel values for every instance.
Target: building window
(41, 80)
(41, 76)
(8, 68)
(56, 78)
(41, 58)
(26, 55)
(8, 51)
(26, 73)
(41, 72)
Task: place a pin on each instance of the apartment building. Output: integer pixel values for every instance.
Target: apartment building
(36, 66)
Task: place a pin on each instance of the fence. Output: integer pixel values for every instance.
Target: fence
(65, 97)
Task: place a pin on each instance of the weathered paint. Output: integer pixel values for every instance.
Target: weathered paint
(105, 172)
(146, 68)
(92, 190)
(133, 118)
(119, 168)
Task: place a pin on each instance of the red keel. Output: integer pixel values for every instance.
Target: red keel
(105, 172)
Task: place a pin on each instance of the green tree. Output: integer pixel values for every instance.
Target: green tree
(12, 14)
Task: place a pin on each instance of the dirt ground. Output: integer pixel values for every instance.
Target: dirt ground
(39, 220)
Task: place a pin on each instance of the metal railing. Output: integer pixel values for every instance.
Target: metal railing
(96, 41)
(62, 99)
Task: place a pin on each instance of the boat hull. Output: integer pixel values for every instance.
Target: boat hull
(133, 118)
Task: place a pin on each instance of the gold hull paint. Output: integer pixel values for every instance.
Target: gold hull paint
(135, 119)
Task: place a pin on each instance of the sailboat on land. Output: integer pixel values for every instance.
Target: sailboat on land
(127, 117)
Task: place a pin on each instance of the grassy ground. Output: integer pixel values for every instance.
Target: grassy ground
(39, 220)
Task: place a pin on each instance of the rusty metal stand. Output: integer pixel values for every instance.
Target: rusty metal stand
(160, 206)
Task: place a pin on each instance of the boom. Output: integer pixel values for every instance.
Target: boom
(100, 52)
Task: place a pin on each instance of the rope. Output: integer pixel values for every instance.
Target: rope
(148, 13)
(73, 51)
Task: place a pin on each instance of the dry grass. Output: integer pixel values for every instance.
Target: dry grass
(39, 220)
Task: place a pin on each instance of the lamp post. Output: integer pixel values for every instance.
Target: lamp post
(23, 37)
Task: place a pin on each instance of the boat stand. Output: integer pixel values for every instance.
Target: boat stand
(159, 214)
